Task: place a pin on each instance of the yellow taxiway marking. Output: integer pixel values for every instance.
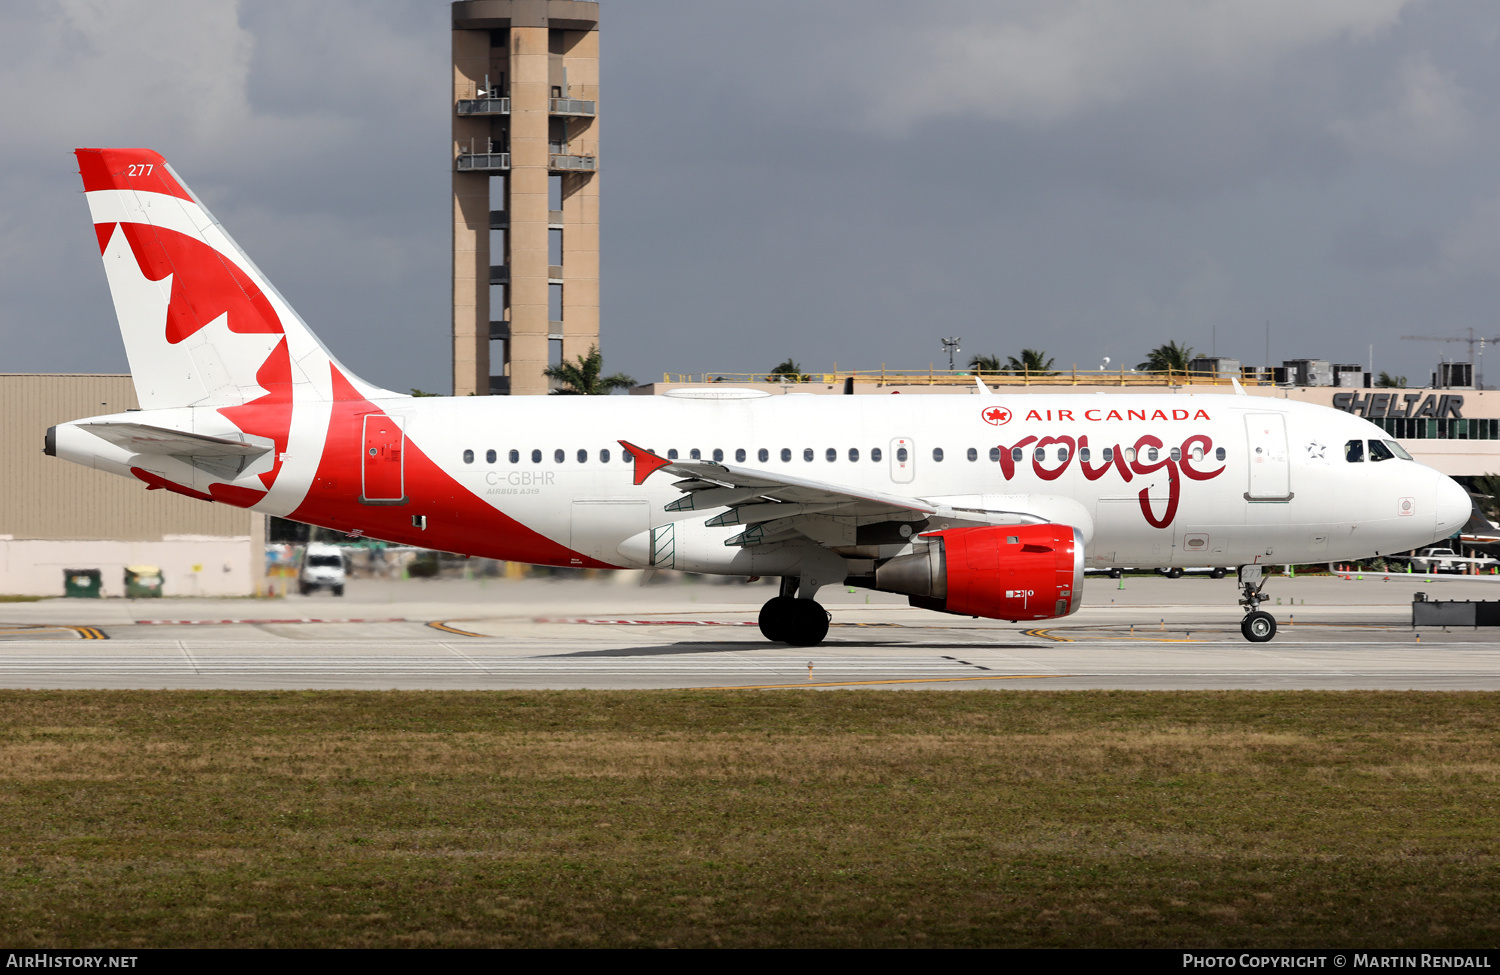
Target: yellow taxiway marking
(857, 683)
(84, 632)
(440, 625)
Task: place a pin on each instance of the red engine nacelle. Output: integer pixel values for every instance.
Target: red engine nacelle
(1005, 572)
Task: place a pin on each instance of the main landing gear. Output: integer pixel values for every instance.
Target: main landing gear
(787, 619)
(1258, 626)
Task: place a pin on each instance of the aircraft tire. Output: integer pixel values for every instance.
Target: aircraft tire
(776, 617)
(1174, 573)
(338, 590)
(1217, 573)
(1258, 627)
(1116, 573)
(807, 624)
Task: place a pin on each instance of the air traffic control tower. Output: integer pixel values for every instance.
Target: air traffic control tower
(525, 191)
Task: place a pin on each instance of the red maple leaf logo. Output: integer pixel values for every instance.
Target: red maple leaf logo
(995, 415)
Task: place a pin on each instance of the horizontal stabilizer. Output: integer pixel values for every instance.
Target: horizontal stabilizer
(219, 456)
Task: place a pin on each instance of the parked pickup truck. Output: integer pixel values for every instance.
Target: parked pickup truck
(1436, 559)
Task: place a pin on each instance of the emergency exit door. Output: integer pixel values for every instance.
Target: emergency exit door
(383, 479)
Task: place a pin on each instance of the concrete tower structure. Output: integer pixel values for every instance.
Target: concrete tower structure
(525, 191)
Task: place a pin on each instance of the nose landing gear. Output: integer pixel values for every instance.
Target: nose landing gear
(787, 619)
(1258, 626)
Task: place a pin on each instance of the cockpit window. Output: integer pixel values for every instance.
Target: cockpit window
(1379, 451)
(1397, 449)
(1354, 451)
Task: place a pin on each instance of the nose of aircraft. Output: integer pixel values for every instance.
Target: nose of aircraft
(1452, 504)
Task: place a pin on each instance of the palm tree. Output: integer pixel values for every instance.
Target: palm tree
(986, 363)
(1171, 356)
(583, 379)
(1033, 362)
(787, 372)
(1387, 380)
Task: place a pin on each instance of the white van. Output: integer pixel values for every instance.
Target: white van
(322, 568)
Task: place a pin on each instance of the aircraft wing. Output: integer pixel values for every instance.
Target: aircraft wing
(774, 506)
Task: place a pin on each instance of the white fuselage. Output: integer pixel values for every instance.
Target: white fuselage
(1272, 498)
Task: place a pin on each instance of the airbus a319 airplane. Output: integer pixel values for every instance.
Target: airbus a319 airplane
(983, 505)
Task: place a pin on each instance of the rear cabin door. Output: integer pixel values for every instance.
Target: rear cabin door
(1270, 464)
(383, 477)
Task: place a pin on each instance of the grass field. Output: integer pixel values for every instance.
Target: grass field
(741, 818)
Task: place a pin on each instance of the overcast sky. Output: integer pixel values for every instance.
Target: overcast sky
(836, 181)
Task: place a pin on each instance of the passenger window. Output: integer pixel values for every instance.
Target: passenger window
(1197, 451)
(1150, 453)
(1176, 454)
(937, 453)
(718, 455)
(831, 454)
(672, 454)
(1379, 451)
(1129, 455)
(468, 455)
(558, 456)
(1062, 455)
(515, 456)
(626, 456)
(489, 456)
(901, 454)
(583, 457)
(763, 455)
(1354, 451)
(694, 454)
(1040, 454)
(1016, 453)
(1219, 453)
(807, 454)
(1109, 455)
(1083, 455)
(995, 455)
(973, 454)
(536, 456)
(786, 454)
(875, 454)
(853, 454)
(604, 456)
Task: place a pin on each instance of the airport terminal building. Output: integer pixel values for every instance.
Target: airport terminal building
(56, 516)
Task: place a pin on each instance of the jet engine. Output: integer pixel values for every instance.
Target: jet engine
(1004, 572)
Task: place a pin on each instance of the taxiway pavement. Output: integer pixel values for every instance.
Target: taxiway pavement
(1153, 633)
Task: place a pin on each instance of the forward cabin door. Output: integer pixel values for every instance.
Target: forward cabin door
(1270, 463)
(383, 474)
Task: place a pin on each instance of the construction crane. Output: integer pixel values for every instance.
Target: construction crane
(1472, 340)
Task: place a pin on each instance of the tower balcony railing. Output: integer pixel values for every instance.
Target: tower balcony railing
(485, 106)
(571, 106)
(483, 162)
(562, 162)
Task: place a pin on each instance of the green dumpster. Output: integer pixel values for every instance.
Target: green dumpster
(82, 583)
(142, 582)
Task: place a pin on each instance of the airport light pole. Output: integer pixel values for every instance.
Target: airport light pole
(951, 346)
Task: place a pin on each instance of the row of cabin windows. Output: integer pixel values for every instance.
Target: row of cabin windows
(1059, 453)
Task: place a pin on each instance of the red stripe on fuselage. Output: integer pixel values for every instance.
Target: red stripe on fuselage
(457, 520)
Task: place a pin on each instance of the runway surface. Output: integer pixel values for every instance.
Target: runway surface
(1155, 634)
